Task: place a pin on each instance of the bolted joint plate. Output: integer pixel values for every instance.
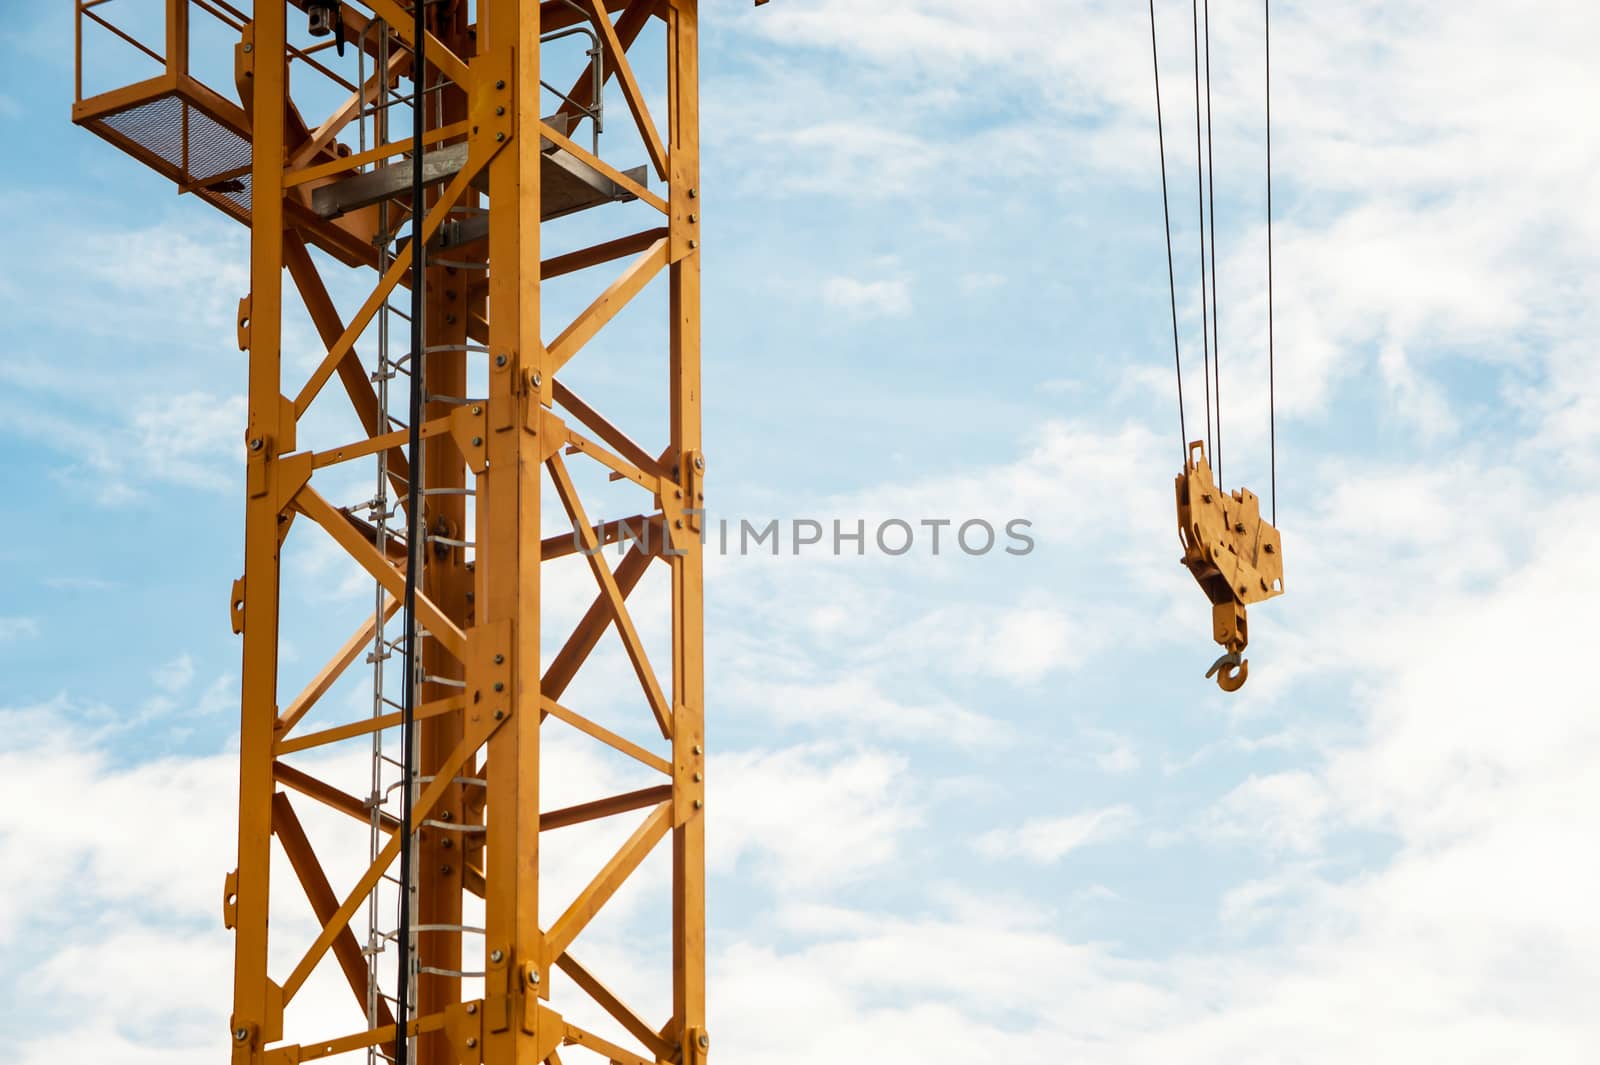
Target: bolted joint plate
(1234, 555)
(492, 110)
(490, 685)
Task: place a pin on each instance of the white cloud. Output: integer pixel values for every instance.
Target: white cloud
(193, 439)
(1287, 810)
(769, 817)
(174, 676)
(1043, 840)
(868, 299)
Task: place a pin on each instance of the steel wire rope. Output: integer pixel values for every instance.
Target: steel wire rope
(1272, 369)
(1216, 310)
(1166, 212)
(414, 525)
(1200, 200)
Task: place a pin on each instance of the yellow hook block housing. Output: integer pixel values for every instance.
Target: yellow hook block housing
(1235, 556)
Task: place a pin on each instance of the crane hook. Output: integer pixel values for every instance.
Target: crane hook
(1231, 671)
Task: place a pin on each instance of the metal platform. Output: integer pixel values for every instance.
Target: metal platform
(185, 131)
(567, 184)
(199, 138)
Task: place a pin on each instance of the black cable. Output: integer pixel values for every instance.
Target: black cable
(1216, 313)
(1272, 387)
(1172, 284)
(414, 525)
(1200, 198)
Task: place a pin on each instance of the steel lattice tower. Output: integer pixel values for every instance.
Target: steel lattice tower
(502, 427)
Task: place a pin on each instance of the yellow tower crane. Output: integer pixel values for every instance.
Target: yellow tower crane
(314, 145)
(415, 151)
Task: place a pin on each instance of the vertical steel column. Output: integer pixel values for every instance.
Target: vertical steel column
(508, 584)
(688, 624)
(257, 1017)
(441, 851)
(177, 38)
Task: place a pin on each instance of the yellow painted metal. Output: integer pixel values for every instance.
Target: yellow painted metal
(1236, 557)
(484, 598)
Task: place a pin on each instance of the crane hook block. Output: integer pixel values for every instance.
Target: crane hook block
(1236, 557)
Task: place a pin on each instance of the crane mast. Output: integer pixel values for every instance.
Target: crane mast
(309, 146)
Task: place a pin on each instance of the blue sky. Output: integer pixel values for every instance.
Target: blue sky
(961, 808)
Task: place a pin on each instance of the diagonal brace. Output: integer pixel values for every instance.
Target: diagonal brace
(608, 583)
(372, 560)
(346, 948)
(605, 884)
(628, 285)
(617, 54)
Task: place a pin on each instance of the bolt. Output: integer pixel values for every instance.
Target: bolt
(471, 1042)
(697, 748)
(499, 360)
(533, 976)
(698, 778)
(247, 50)
(499, 660)
(693, 219)
(241, 1034)
(472, 1007)
(446, 844)
(499, 137)
(477, 441)
(698, 804)
(497, 956)
(1269, 549)
(537, 379)
(704, 1041)
(477, 409)
(446, 815)
(693, 193)
(499, 110)
(499, 686)
(678, 524)
(500, 84)
(255, 444)
(499, 715)
(445, 870)
(699, 462)
(677, 493)
(694, 244)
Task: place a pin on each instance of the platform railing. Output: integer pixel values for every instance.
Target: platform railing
(173, 54)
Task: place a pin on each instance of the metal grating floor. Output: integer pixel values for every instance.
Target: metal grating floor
(194, 146)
